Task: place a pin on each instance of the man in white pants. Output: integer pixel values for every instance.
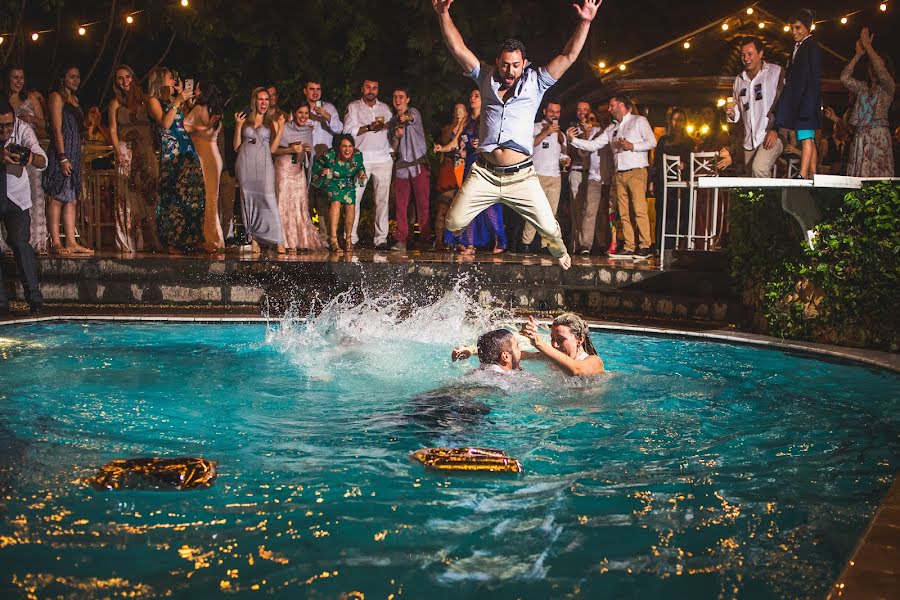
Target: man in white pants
(366, 120)
(511, 94)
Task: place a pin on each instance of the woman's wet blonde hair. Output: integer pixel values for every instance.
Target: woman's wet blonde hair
(579, 329)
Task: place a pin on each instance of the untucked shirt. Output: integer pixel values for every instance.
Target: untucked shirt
(374, 145)
(754, 103)
(411, 149)
(510, 124)
(18, 188)
(547, 152)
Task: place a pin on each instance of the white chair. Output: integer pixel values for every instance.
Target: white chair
(703, 164)
(671, 180)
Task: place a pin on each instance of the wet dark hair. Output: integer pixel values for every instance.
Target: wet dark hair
(340, 138)
(492, 344)
(806, 16)
(579, 329)
(4, 84)
(512, 45)
(752, 40)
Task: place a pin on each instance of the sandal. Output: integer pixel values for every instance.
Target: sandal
(334, 246)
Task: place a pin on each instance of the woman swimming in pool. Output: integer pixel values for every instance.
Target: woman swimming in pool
(570, 346)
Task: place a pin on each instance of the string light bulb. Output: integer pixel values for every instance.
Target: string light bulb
(750, 11)
(843, 20)
(690, 129)
(761, 25)
(1, 39)
(724, 26)
(687, 45)
(720, 102)
(82, 31)
(184, 3)
(813, 28)
(129, 19)
(622, 67)
(34, 37)
(725, 127)
(883, 7)
(602, 64)
(787, 28)
(704, 130)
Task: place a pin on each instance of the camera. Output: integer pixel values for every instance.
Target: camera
(23, 153)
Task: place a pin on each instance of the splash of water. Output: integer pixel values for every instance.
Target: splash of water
(359, 322)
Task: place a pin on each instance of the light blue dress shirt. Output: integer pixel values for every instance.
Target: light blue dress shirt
(510, 124)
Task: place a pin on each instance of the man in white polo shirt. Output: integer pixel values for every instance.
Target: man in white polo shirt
(755, 92)
(632, 139)
(549, 150)
(366, 120)
(511, 93)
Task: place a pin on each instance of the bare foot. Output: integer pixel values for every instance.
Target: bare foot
(79, 249)
(60, 249)
(174, 251)
(254, 247)
(468, 251)
(565, 261)
(280, 249)
(498, 251)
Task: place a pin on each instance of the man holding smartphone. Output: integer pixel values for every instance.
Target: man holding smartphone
(549, 152)
(18, 149)
(511, 93)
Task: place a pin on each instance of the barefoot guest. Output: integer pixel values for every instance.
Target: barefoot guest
(511, 91)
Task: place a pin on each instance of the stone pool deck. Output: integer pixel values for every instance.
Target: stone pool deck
(594, 286)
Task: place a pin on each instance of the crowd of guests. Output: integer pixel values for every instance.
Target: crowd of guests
(302, 167)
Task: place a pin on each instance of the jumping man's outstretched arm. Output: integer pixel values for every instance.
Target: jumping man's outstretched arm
(559, 65)
(455, 43)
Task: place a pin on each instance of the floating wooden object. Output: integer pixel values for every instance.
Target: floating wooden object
(164, 474)
(468, 459)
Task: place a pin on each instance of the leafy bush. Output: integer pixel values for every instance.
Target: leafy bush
(841, 291)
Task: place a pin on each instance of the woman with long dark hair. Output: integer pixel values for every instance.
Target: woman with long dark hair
(62, 177)
(136, 164)
(337, 173)
(182, 195)
(204, 124)
(27, 106)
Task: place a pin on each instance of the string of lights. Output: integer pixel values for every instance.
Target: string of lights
(763, 20)
(129, 18)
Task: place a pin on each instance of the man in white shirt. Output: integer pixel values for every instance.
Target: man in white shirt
(326, 124)
(593, 221)
(755, 93)
(15, 200)
(366, 120)
(549, 151)
(511, 93)
(631, 139)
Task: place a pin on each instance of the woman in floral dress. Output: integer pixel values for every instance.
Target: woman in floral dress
(182, 195)
(337, 172)
(871, 154)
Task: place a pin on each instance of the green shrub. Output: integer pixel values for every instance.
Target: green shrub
(841, 291)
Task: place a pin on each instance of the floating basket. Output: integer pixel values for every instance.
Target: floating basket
(172, 474)
(468, 459)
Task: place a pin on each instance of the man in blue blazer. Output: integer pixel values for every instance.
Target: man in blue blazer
(800, 104)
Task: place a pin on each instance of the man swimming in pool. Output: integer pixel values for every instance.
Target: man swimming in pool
(570, 348)
(511, 93)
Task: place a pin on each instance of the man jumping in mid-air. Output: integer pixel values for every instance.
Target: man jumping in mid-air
(511, 94)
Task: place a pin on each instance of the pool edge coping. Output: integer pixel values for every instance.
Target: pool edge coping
(876, 358)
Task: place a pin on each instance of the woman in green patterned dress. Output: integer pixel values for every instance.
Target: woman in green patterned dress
(337, 172)
(182, 195)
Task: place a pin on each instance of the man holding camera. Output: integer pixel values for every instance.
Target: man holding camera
(20, 148)
(549, 152)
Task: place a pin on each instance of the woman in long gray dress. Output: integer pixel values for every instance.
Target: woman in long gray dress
(256, 137)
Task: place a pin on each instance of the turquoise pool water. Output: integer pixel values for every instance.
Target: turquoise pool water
(695, 470)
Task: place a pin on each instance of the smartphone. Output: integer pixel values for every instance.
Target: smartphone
(189, 85)
(318, 104)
